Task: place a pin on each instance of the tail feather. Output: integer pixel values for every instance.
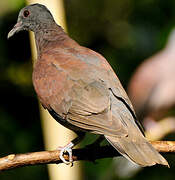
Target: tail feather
(139, 151)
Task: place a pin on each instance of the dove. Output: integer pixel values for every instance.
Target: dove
(81, 91)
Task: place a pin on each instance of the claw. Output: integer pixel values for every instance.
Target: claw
(68, 149)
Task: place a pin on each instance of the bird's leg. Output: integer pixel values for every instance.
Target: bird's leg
(68, 148)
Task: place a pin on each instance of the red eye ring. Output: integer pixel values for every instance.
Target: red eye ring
(26, 13)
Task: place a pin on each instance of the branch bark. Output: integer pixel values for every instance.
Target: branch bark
(88, 154)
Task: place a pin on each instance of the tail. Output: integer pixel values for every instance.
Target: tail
(137, 150)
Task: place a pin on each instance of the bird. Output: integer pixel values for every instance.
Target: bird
(151, 88)
(81, 91)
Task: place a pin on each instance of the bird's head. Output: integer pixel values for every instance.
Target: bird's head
(33, 17)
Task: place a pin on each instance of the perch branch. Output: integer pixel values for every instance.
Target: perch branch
(88, 154)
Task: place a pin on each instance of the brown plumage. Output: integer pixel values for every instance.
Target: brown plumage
(80, 90)
(152, 87)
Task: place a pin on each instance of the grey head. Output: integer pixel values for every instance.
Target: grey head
(33, 17)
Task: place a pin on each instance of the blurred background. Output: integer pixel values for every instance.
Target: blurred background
(125, 32)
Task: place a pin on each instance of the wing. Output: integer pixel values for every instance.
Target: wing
(91, 110)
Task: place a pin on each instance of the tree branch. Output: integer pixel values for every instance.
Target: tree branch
(88, 154)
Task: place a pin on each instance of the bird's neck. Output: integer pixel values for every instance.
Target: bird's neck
(49, 37)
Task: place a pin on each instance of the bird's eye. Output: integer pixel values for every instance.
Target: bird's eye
(26, 13)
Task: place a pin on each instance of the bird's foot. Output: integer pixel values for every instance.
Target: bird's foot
(68, 149)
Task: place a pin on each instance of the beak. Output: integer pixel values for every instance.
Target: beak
(18, 27)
